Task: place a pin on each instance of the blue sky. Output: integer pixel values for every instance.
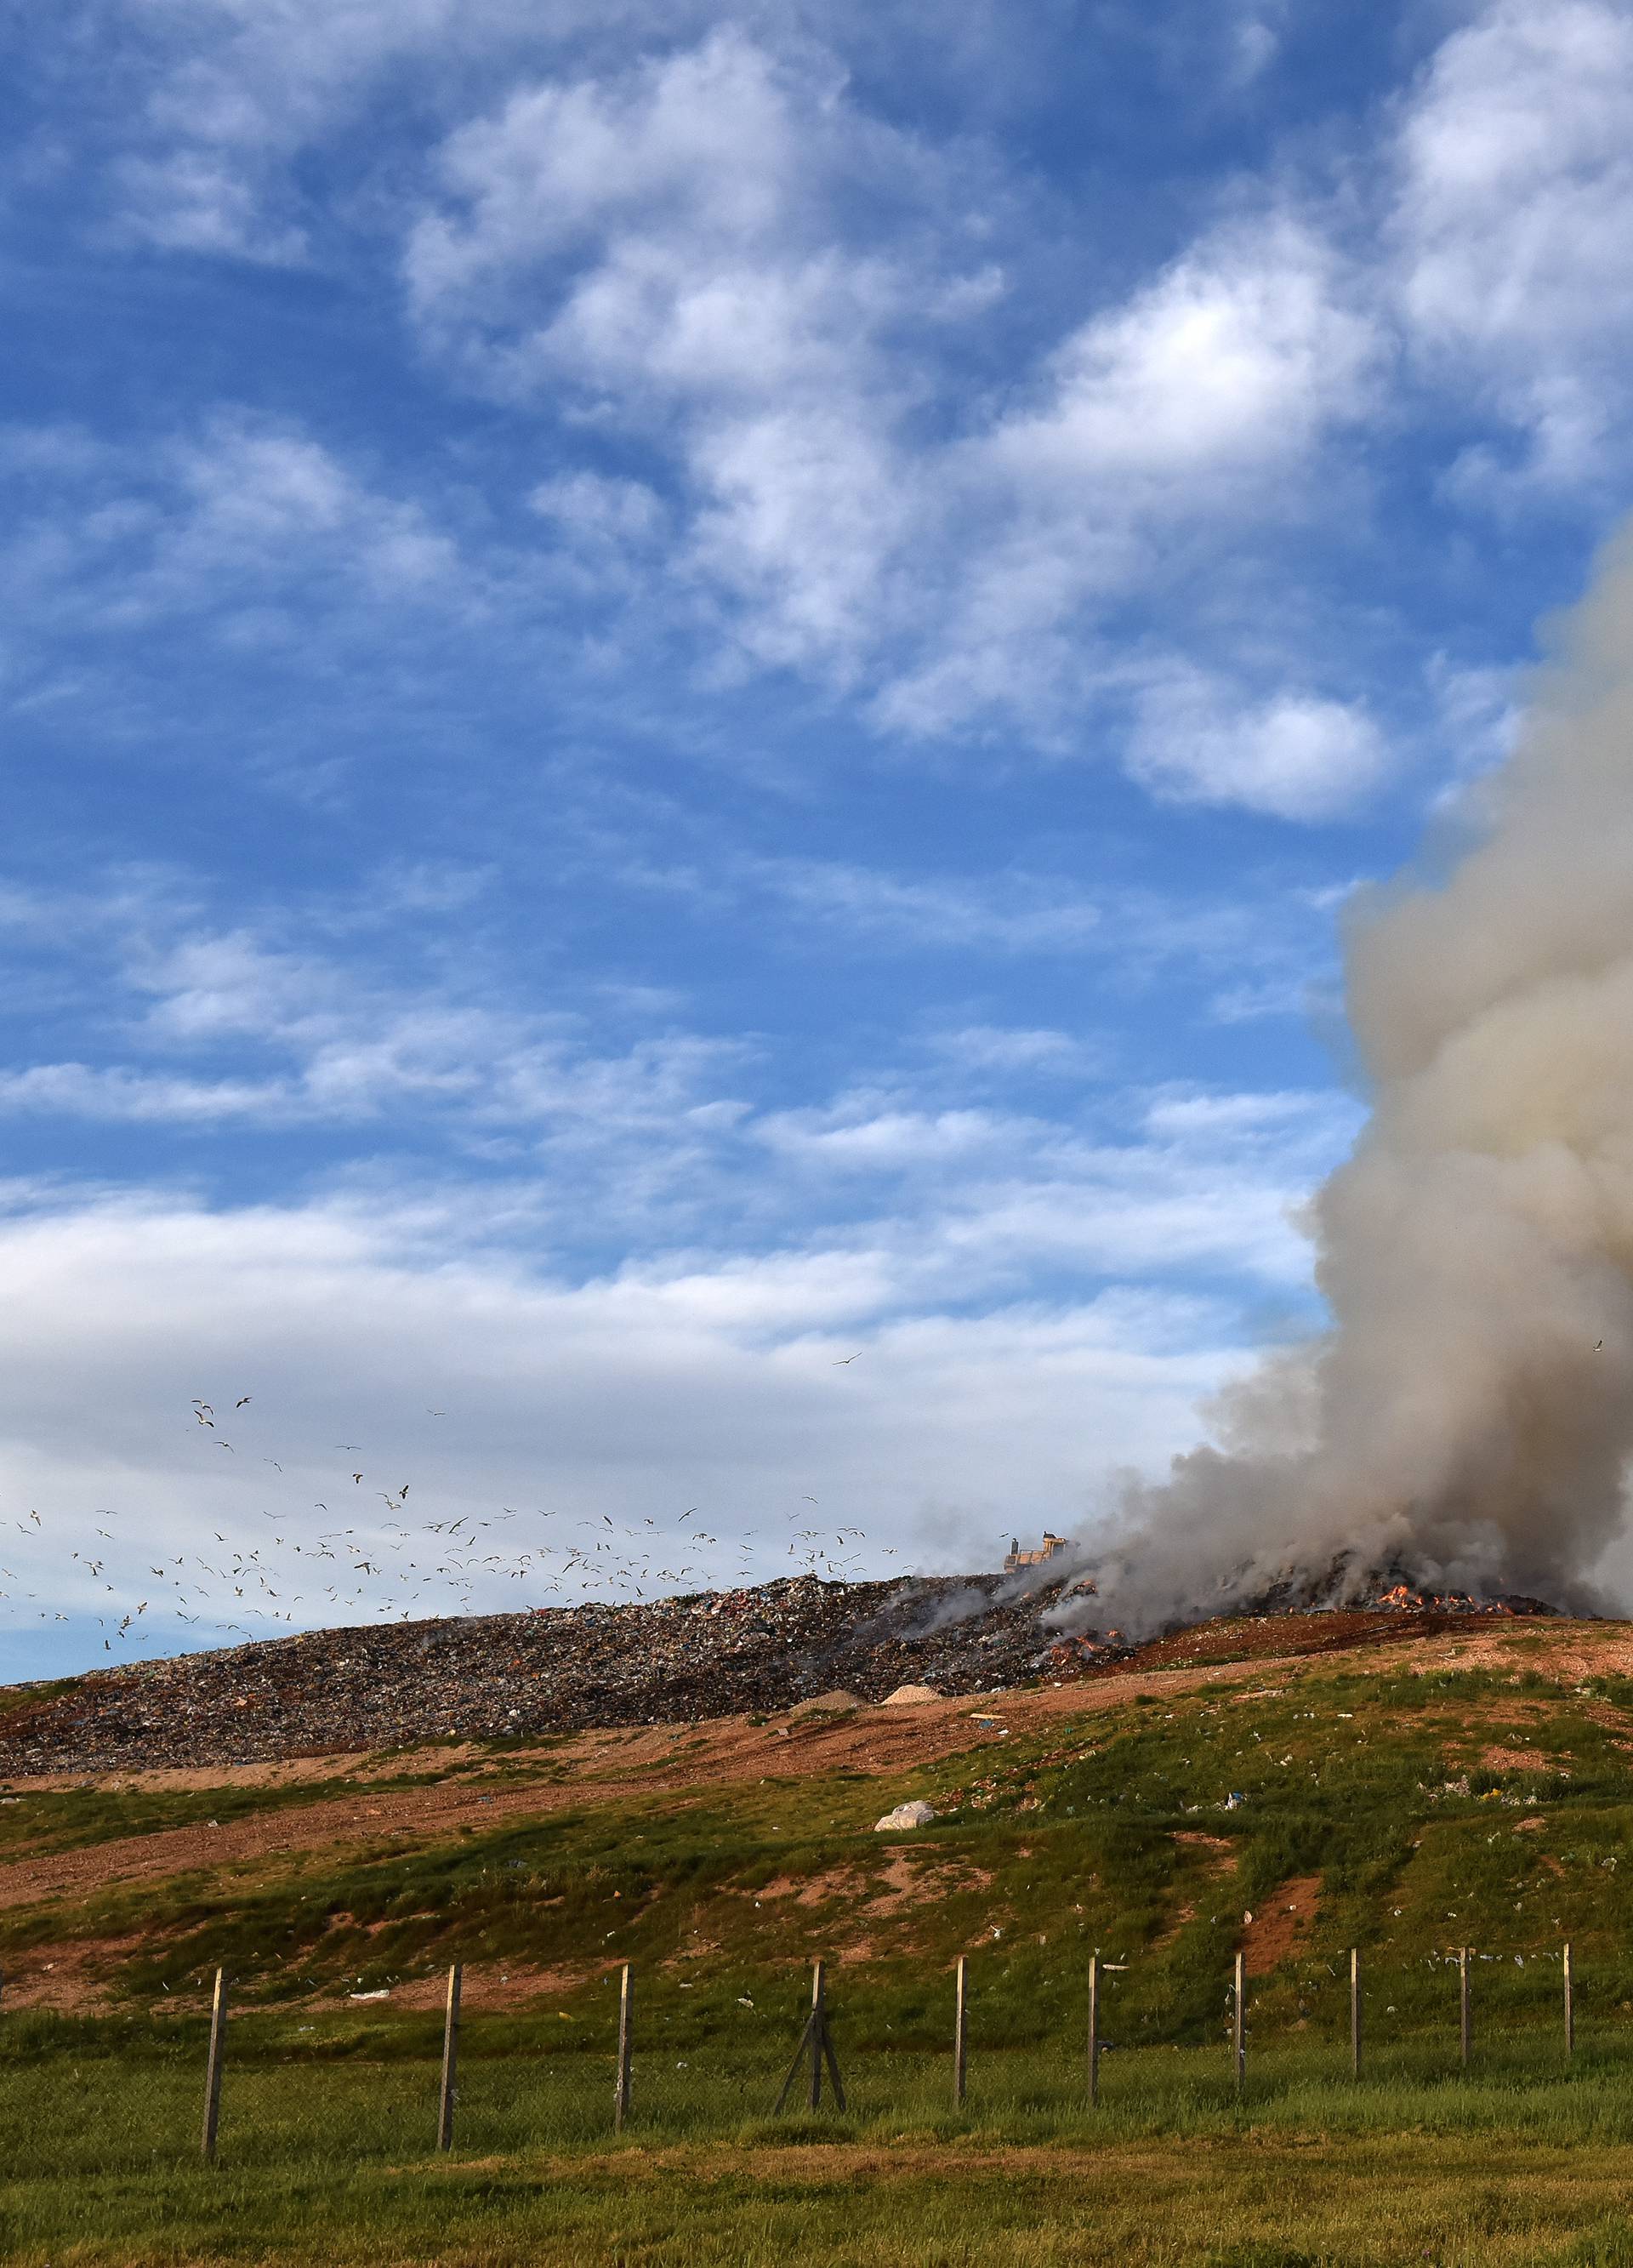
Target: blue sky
(692, 691)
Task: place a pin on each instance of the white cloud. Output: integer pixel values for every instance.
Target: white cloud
(1233, 361)
(827, 486)
(1298, 754)
(1513, 214)
(784, 358)
(1006, 1049)
(248, 524)
(616, 1126)
(643, 1301)
(600, 510)
(214, 99)
(625, 1397)
(76, 1090)
(589, 233)
(1016, 913)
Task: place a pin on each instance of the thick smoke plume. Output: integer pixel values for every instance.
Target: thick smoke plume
(1468, 1419)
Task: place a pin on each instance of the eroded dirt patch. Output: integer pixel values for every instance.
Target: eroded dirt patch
(1280, 1924)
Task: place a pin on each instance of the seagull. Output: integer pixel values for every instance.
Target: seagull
(242, 1399)
(843, 1359)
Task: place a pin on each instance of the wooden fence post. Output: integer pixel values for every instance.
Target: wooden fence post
(1570, 2004)
(620, 2098)
(1355, 2011)
(1239, 2037)
(449, 2060)
(212, 2075)
(959, 2030)
(1094, 2027)
(1462, 2003)
(818, 2014)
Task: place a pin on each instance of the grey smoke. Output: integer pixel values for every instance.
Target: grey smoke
(1469, 1419)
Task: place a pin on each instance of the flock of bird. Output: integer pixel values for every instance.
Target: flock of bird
(336, 1559)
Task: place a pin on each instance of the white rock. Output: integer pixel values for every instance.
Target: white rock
(905, 1815)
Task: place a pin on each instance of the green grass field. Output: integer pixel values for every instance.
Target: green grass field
(332, 2160)
(1412, 1814)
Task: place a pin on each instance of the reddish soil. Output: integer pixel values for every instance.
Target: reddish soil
(1280, 1924)
(1288, 1636)
(462, 1788)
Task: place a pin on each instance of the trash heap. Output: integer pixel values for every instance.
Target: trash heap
(549, 1670)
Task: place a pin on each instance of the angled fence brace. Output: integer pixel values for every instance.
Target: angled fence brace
(815, 2040)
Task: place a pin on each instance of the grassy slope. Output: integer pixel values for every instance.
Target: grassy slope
(1088, 1832)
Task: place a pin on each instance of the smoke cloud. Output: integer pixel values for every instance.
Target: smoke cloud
(1469, 1419)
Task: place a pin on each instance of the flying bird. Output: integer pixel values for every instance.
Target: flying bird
(843, 1359)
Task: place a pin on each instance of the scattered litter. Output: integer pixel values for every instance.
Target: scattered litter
(383, 1994)
(905, 1815)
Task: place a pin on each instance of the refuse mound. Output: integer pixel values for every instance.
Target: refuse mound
(548, 1670)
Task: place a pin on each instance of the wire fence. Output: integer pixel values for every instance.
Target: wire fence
(1458, 2014)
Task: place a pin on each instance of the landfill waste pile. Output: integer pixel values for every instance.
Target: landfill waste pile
(549, 1670)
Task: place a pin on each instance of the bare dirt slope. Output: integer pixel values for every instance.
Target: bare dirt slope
(431, 1793)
